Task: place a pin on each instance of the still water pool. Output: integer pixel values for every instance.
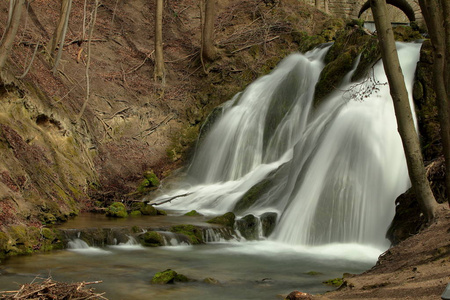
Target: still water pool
(245, 270)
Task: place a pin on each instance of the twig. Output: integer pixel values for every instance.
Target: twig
(120, 111)
(170, 199)
(31, 62)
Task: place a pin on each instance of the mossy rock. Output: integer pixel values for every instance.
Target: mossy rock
(194, 233)
(314, 273)
(117, 210)
(406, 34)
(268, 222)
(168, 277)
(248, 227)
(144, 208)
(151, 239)
(149, 183)
(335, 282)
(135, 213)
(161, 212)
(193, 213)
(226, 219)
(252, 195)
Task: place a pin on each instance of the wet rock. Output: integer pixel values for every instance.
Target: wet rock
(193, 233)
(226, 219)
(144, 208)
(117, 210)
(151, 239)
(168, 277)
(193, 213)
(248, 227)
(296, 295)
(268, 222)
(210, 280)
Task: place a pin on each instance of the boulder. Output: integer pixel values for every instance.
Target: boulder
(226, 219)
(117, 210)
(248, 227)
(168, 277)
(268, 222)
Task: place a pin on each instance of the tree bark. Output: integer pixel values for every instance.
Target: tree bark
(159, 58)
(10, 31)
(66, 6)
(437, 19)
(402, 109)
(318, 4)
(209, 51)
(60, 29)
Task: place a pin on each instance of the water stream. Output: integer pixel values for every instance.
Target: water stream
(333, 174)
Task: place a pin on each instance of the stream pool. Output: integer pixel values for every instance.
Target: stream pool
(245, 270)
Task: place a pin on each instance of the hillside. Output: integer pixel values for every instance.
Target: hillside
(57, 162)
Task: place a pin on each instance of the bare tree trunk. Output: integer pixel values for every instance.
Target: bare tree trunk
(402, 109)
(88, 63)
(62, 35)
(159, 58)
(325, 6)
(59, 32)
(318, 4)
(209, 51)
(438, 27)
(7, 41)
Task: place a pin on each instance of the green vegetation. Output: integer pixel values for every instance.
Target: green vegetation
(193, 233)
(151, 239)
(168, 277)
(117, 210)
(226, 219)
(335, 282)
(193, 213)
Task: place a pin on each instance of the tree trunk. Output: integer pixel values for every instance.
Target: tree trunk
(325, 6)
(209, 51)
(59, 33)
(159, 59)
(438, 27)
(10, 31)
(318, 4)
(402, 109)
(64, 19)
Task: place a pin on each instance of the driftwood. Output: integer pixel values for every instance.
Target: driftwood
(49, 289)
(169, 199)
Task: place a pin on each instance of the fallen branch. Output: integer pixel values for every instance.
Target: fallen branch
(170, 199)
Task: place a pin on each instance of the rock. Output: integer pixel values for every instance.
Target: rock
(226, 219)
(268, 222)
(248, 227)
(144, 208)
(193, 213)
(210, 280)
(117, 210)
(168, 277)
(296, 295)
(149, 183)
(151, 239)
(193, 233)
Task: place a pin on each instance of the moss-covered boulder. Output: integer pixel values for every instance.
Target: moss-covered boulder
(151, 239)
(168, 277)
(117, 210)
(268, 222)
(226, 219)
(193, 233)
(193, 213)
(406, 34)
(334, 282)
(149, 183)
(248, 227)
(144, 208)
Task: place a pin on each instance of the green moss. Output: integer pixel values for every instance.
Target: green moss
(136, 229)
(151, 239)
(168, 277)
(117, 210)
(194, 233)
(252, 195)
(161, 212)
(135, 213)
(144, 208)
(193, 213)
(226, 219)
(314, 273)
(335, 282)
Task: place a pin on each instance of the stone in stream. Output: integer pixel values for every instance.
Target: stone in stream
(167, 277)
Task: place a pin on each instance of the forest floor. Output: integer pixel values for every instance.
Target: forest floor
(417, 268)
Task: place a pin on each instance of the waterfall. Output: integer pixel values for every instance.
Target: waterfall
(334, 171)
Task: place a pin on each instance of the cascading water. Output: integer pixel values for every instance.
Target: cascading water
(334, 171)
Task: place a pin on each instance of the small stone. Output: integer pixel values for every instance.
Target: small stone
(296, 295)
